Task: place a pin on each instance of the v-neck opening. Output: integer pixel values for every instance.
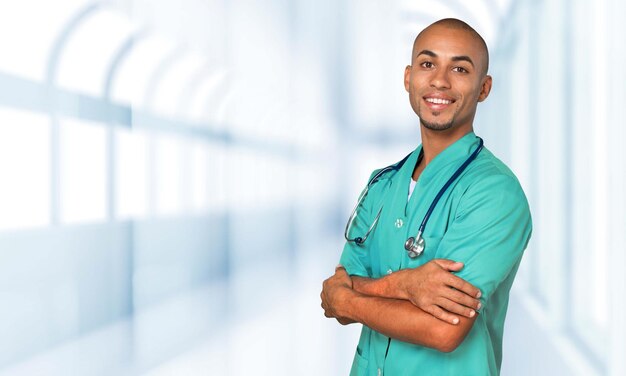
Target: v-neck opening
(449, 155)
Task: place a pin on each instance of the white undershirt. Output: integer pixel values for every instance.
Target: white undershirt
(411, 188)
(413, 182)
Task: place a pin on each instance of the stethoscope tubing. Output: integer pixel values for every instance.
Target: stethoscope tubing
(360, 240)
(445, 187)
(413, 245)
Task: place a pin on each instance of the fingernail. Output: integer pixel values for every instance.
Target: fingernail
(455, 321)
(472, 313)
(479, 294)
(479, 305)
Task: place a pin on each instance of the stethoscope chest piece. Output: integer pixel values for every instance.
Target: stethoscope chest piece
(415, 247)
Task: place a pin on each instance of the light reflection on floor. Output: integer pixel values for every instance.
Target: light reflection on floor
(265, 321)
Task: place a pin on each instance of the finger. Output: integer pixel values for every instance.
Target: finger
(460, 298)
(462, 285)
(449, 264)
(453, 307)
(442, 315)
(323, 305)
(341, 272)
(323, 297)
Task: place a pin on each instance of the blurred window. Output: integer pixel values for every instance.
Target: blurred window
(29, 30)
(24, 169)
(200, 177)
(172, 88)
(137, 69)
(168, 158)
(589, 284)
(85, 59)
(131, 165)
(83, 167)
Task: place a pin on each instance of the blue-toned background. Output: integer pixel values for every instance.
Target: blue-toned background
(175, 177)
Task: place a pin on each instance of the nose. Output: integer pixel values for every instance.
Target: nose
(439, 79)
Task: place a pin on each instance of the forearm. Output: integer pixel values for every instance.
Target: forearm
(389, 286)
(401, 320)
(432, 287)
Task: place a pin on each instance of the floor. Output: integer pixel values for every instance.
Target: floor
(265, 321)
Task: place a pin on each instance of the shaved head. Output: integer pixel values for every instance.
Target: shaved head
(448, 76)
(456, 24)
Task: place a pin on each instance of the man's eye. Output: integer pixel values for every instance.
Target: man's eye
(427, 64)
(460, 70)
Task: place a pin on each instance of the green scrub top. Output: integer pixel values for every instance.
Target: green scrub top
(483, 220)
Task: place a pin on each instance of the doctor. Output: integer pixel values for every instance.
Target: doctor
(442, 312)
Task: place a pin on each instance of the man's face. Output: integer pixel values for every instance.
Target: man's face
(446, 80)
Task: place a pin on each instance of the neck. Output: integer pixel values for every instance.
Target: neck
(434, 142)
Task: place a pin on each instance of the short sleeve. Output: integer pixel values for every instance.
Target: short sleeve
(356, 258)
(489, 233)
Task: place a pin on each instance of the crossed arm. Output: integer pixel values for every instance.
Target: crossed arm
(491, 228)
(428, 305)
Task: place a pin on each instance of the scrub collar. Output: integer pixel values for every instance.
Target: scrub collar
(459, 150)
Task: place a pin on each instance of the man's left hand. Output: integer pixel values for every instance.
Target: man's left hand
(336, 291)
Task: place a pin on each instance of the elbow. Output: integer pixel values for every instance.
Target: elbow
(448, 346)
(449, 340)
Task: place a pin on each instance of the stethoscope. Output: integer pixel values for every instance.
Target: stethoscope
(414, 245)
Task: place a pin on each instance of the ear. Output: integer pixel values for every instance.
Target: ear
(407, 77)
(485, 88)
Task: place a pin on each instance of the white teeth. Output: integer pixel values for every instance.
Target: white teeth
(438, 101)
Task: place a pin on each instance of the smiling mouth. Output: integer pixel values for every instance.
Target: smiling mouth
(438, 104)
(439, 100)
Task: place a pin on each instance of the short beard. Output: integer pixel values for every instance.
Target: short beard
(436, 126)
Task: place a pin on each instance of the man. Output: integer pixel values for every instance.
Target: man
(441, 313)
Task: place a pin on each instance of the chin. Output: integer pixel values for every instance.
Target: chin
(436, 125)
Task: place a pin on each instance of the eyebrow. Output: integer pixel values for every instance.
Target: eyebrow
(426, 52)
(463, 58)
(454, 58)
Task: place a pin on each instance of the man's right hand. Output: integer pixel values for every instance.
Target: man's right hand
(433, 288)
